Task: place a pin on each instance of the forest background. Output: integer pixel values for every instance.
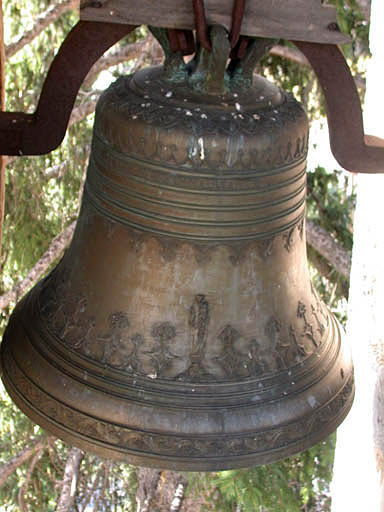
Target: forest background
(39, 472)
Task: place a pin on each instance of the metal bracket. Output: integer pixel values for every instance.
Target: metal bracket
(43, 131)
(352, 149)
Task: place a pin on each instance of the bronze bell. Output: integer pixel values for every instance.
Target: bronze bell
(181, 329)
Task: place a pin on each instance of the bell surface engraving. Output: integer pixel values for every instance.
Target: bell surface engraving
(181, 329)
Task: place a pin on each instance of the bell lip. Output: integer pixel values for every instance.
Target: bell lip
(186, 463)
(342, 399)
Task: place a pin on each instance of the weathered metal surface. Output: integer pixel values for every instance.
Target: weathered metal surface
(352, 149)
(181, 329)
(43, 131)
(304, 20)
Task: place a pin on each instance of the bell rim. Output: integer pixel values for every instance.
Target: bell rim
(186, 463)
(336, 409)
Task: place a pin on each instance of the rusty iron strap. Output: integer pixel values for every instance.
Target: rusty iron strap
(43, 131)
(202, 28)
(181, 41)
(237, 20)
(352, 149)
(201, 24)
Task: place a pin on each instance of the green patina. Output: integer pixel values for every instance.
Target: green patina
(213, 72)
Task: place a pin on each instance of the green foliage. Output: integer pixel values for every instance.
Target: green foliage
(12, 423)
(331, 203)
(299, 483)
(352, 23)
(293, 77)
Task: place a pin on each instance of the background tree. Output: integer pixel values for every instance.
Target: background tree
(38, 472)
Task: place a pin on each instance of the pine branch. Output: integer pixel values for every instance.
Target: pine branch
(41, 23)
(55, 461)
(69, 485)
(320, 240)
(147, 48)
(292, 54)
(82, 111)
(9, 467)
(24, 487)
(51, 254)
(324, 269)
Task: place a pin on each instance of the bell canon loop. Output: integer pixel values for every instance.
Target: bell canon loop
(181, 329)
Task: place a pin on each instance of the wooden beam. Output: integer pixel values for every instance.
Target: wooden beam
(300, 20)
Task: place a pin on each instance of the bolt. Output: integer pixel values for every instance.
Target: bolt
(334, 27)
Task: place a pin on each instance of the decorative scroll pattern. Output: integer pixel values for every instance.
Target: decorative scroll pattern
(203, 117)
(265, 247)
(120, 347)
(181, 446)
(201, 120)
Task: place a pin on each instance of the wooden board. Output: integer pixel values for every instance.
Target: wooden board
(302, 20)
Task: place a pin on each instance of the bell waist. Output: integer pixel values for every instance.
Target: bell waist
(204, 204)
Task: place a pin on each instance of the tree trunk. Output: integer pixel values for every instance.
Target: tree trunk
(71, 473)
(160, 491)
(148, 483)
(179, 494)
(359, 462)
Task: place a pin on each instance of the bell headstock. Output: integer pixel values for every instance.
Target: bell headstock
(310, 24)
